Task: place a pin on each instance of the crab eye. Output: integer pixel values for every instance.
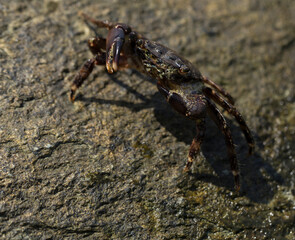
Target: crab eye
(139, 42)
(184, 69)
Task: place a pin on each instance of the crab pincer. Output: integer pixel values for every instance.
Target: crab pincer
(114, 44)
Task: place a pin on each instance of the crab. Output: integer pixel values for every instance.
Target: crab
(183, 86)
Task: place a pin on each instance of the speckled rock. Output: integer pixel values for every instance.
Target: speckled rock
(110, 165)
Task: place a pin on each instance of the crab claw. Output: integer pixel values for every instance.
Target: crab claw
(115, 41)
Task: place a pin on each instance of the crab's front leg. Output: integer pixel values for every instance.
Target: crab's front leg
(114, 45)
(106, 52)
(97, 47)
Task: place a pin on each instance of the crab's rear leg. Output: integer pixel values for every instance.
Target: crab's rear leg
(234, 112)
(222, 125)
(219, 89)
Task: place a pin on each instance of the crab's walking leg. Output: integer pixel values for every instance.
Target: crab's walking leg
(234, 112)
(96, 46)
(98, 23)
(85, 72)
(196, 143)
(218, 88)
(222, 125)
(81, 76)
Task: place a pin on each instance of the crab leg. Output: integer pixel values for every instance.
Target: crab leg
(222, 125)
(220, 89)
(234, 112)
(196, 143)
(98, 23)
(97, 47)
(84, 72)
(81, 76)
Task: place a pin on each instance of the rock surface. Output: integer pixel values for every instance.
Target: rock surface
(110, 165)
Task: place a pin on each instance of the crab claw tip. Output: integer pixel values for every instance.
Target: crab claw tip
(109, 67)
(115, 66)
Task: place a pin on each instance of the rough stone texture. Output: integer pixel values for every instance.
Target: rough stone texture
(110, 165)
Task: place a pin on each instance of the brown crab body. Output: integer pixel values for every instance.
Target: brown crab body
(163, 64)
(183, 86)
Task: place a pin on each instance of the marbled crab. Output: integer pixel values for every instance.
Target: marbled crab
(184, 87)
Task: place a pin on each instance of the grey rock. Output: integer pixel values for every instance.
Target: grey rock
(110, 165)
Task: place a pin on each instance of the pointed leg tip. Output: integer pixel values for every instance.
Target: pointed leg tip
(188, 166)
(237, 181)
(237, 185)
(251, 150)
(72, 99)
(72, 95)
